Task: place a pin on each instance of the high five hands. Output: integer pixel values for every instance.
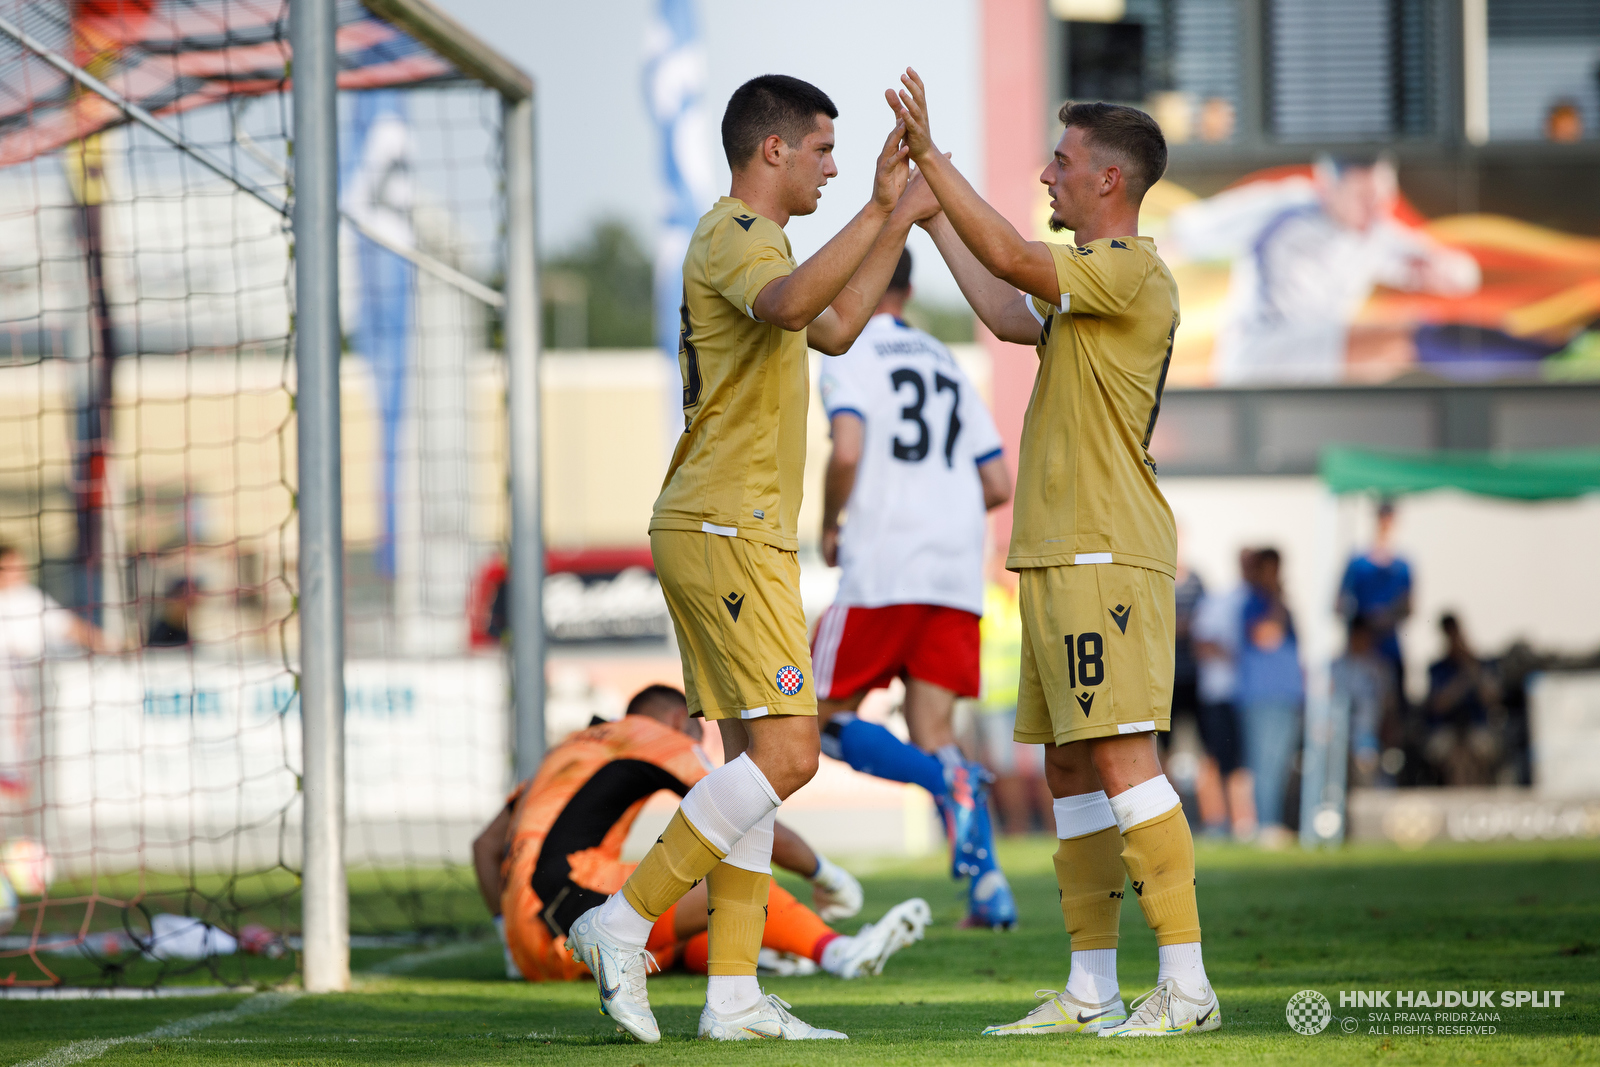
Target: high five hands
(911, 111)
(889, 180)
(910, 106)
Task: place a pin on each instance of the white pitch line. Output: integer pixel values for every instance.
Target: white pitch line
(81, 1051)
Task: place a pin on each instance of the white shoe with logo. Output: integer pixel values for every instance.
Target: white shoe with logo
(867, 952)
(769, 1018)
(1063, 1013)
(1167, 1011)
(619, 970)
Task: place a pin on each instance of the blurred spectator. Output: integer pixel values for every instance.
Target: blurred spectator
(33, 627)
(1463, 716)
(1270, 694)
(1563, 123)
(1376, 589)
(1217, 628)
(1188, 590)
(1306, 256)
(1363, 681)
(170, 627)
(1197, 781)
(32, 623)
(1514, 668)
(1019, 789)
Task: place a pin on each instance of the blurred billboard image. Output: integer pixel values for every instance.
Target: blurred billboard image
(1369, 192)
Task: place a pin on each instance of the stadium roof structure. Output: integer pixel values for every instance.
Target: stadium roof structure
(70, 69)
(170, 56)
(1546, 475)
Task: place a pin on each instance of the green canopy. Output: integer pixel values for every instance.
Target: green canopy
(1549, 475)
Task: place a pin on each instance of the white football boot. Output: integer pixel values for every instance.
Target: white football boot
(867, 952)
(770, 963)
(769, 1018)
(619, 970)
(1167, 1011)
(1063, 1013)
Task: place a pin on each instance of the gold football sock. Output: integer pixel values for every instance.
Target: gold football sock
(736, 913)
(1159, 855)
(679, 858)
(1089, 872)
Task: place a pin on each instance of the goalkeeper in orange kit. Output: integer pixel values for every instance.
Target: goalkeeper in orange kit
(555, 849)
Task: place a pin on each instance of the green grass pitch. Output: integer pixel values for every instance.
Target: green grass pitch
(1503, 917)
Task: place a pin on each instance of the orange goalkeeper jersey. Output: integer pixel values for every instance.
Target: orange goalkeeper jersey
(539, 806)
(537, 803)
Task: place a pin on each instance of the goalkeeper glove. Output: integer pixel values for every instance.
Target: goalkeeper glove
(835, 891)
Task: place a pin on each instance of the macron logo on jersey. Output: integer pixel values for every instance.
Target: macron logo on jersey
(746, 221)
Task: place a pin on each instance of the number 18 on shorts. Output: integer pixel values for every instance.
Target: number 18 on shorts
(1097, 650)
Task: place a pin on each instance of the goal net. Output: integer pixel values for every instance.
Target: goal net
(149, 727)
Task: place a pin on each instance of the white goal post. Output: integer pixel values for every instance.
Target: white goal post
(313, 206)
(325, 919)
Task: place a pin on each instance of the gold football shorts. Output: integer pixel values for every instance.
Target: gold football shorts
(1097, 652)
(735, 607)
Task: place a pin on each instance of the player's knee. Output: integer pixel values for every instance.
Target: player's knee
(1125, 760)
(1069, 771)
(789, 768)
(799, 768)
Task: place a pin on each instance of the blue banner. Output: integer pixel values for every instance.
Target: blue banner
(377, 192)
(674, 79)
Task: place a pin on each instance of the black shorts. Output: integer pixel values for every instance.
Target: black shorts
(1219, 733)
(1185, 696)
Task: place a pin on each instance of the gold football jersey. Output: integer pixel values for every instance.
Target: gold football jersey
(1086, 485)
(738, 467)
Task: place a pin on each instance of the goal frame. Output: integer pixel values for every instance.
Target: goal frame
(315, 221)
(325, 920)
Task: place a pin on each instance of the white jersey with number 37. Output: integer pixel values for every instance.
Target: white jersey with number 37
(914, 525)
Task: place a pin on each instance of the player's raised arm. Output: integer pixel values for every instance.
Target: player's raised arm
(836, 329)
(998, 304)
(998, 246)
(794, 302)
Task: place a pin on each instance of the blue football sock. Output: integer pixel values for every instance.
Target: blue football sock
(983, 838)
(871, 749)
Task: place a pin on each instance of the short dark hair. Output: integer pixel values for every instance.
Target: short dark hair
(771, 104)
(900, 280)
(1268, 556)
(652, 693)
(1125, 131)
(6, 548)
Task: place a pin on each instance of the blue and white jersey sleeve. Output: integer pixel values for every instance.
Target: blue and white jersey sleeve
(841, 384)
